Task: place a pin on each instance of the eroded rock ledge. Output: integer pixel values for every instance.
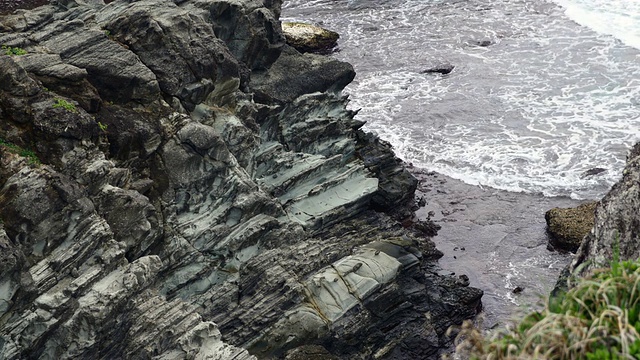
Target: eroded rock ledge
(201, 192)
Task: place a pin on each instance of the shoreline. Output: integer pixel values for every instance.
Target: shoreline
(504, 238)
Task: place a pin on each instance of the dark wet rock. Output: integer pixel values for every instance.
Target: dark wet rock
(8, 6)
(592, 172)
(310, 352)
(65, 79)
(442, 68)
(396, 183)
(481, 43)
(617, 222)
(567, 227)
(309, 38)
(249, 28)
(295, 74)
(186, 202)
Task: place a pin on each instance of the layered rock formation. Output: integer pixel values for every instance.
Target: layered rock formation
(176, 182)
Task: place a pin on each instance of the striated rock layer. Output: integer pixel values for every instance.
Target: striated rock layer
(176, 182)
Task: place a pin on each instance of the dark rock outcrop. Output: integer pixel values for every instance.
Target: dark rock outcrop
(176, 182)
(567, 227)
(442, 68)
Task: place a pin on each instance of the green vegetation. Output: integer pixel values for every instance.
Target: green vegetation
(102, 126)
(61, 103)
(8, 50)
(15, 149)
(599, 319)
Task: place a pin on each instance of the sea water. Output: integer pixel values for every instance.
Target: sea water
(541, 93)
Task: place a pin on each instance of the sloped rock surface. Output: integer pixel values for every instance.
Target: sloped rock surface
(193, 198)
(617, 222)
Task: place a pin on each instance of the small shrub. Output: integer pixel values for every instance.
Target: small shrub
(8, 50)
(102, 126)
(61, 103)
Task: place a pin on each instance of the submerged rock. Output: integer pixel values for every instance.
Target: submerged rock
(442, 68)
(592, 172)
(176, 182)
(309, 38)
(567, 227)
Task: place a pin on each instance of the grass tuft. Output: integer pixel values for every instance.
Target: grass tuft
(8, 50)
(61, 103)
(597, 319)
(15, 149)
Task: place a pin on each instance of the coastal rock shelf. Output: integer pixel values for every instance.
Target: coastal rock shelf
(178, 182)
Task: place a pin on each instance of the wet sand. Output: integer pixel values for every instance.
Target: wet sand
(497, 238)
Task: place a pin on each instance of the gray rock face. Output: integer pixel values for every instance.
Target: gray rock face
(188, 203)
(617, 223)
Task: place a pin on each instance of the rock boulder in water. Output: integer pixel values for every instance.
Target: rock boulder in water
(567, 227)
(441, 68)
(169, 190)
(309, 38)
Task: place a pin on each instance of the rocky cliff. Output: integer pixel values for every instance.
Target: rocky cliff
(177, 182)
(617, 223)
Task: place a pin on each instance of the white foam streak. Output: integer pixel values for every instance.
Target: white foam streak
(546, 101)
(619, 18)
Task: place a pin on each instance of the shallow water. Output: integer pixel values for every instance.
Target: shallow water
(498, 239)
(546, 101)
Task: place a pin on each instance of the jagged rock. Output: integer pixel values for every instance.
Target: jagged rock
(567, 227)
(187, 67)
(309, 38)
(294, 75)
(396, 183)
(617, 222)
(207, 206)
(250, 29)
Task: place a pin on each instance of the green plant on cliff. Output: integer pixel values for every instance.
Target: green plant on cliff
(102, 126)
(8, 50)
(61, 103)
(597, 319)
(15, 149)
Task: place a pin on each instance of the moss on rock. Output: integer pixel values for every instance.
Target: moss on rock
(309, 38)
(567, 227)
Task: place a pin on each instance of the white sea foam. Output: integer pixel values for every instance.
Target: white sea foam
(545, 102)
(619, 18)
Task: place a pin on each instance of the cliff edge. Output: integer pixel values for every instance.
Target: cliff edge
(617, 223)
